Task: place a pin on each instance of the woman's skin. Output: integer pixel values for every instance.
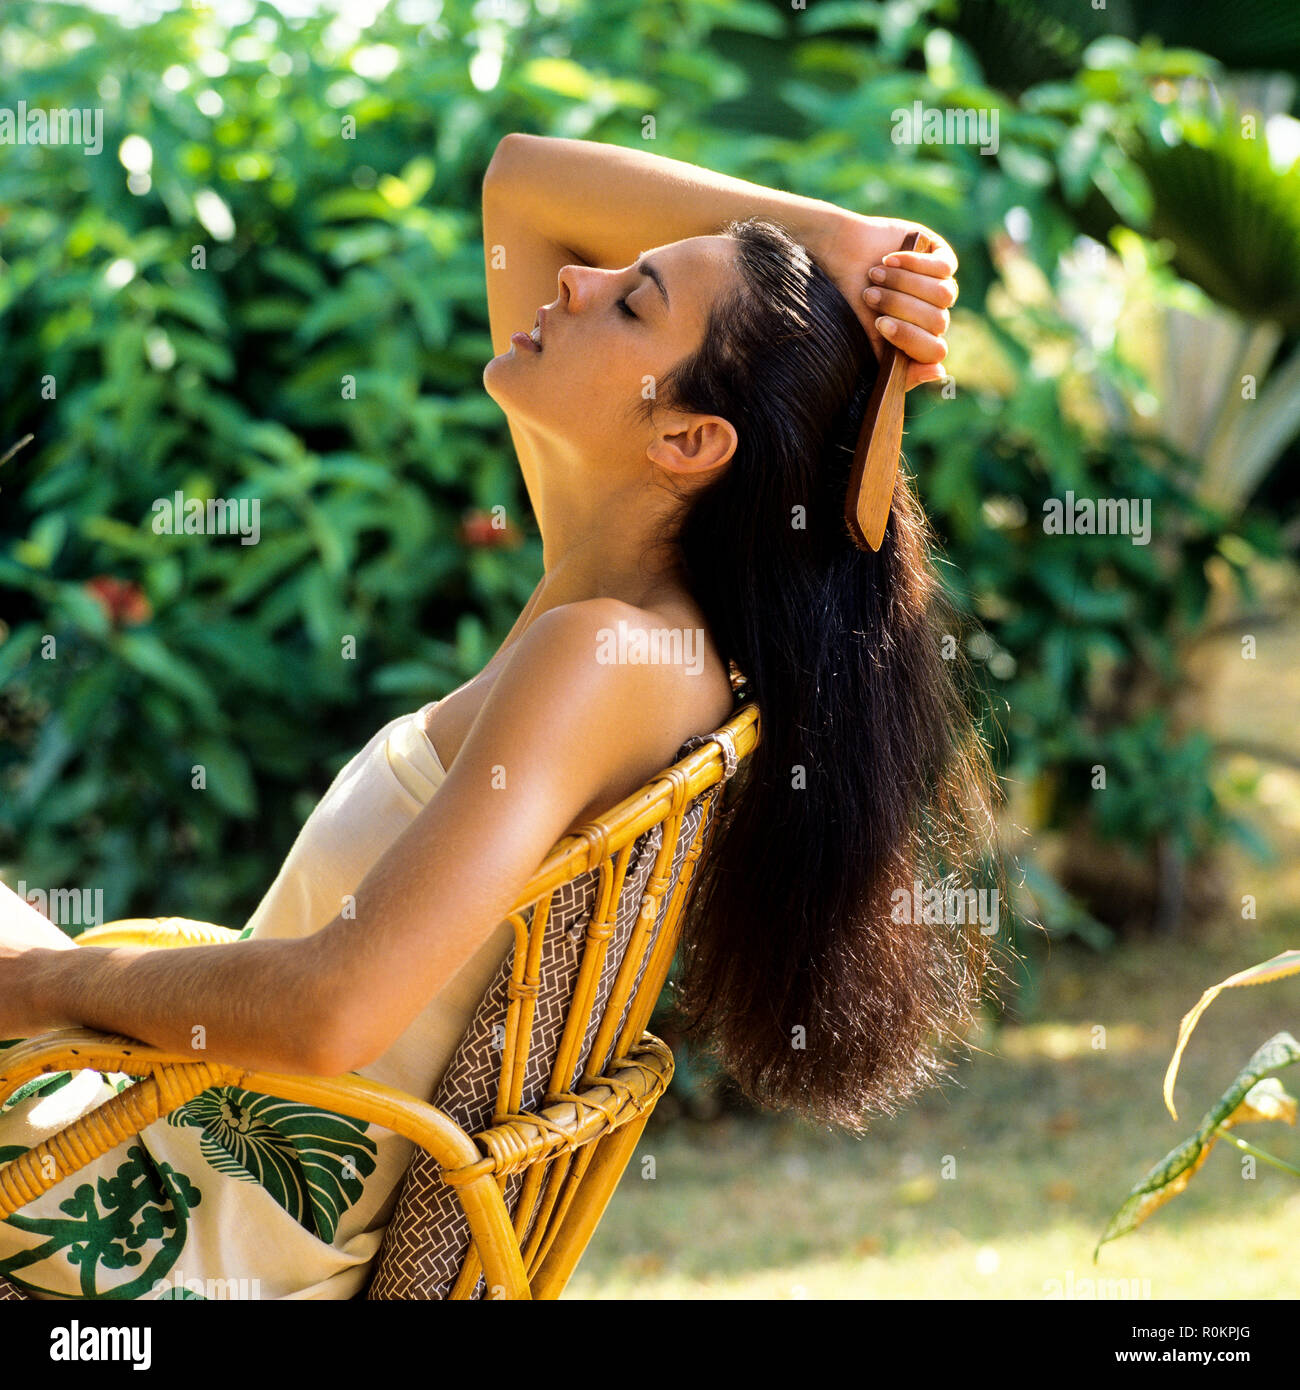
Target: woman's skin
(547, 736)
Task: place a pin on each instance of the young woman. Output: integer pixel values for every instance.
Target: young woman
(684, 410)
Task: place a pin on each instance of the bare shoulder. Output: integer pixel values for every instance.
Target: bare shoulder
(605, 693)
(660, 655)
(612, 652)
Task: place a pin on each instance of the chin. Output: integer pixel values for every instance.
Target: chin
(492, 375)
(502, 384)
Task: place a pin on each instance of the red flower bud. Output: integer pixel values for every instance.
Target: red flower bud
(123, 600)
(483, 531)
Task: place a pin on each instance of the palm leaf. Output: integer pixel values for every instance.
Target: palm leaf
(1023, 42)
(1262, 35)
(1233, 219)
(311, 1162)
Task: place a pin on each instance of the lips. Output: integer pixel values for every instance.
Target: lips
(531, 341)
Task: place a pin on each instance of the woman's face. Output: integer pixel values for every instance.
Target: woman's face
(607, 340)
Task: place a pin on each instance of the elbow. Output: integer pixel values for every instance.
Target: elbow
(332, 1035)
(499, 174)
(333, 1044)
(326, 1055)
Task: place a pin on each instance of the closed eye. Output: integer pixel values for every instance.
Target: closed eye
(623, 305)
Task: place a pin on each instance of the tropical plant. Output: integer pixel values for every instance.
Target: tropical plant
(1255, 1096)
(269, 289)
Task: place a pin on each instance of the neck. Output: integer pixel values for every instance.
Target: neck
(600, 534)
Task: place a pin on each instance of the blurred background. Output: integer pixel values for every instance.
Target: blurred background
(287, 198)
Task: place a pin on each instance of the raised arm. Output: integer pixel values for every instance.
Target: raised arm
(552, 201)
(608, 203)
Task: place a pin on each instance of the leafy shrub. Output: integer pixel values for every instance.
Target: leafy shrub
(270, 288)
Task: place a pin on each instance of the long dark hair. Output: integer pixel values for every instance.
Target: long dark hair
(802, 970)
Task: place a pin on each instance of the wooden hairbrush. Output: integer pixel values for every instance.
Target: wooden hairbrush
(880, 441)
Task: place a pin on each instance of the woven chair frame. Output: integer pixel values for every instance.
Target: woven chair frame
(572, 1149)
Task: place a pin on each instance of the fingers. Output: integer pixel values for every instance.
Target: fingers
(919, 345)
(912, 292)
(920, 373)
(908, 309)
(939, 262)
(942, 292)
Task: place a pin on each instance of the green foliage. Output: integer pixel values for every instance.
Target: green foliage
(243, 297)
(199, 334)
(1253, 1096)
(1068, 627)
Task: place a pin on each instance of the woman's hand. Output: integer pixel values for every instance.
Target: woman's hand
(901, 298)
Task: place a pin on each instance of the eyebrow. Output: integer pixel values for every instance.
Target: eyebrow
(651, 271)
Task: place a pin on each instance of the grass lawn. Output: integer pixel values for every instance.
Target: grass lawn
(1048, 1133)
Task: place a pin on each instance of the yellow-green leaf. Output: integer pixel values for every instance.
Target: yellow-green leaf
(1249, 1099)
(1288, 963)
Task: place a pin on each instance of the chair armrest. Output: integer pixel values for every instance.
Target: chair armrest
(156, 932)
(170, 1079)
(73, 1049)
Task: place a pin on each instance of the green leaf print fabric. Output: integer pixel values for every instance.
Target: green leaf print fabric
(132, 1224)
(123, 1225)
(117, 1235)
(313, 1162)
(237, 1187)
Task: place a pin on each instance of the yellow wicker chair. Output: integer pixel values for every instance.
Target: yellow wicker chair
(530, 1186)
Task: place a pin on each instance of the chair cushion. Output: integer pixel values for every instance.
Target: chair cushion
(428, 1235)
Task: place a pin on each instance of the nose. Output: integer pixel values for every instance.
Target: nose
(577, 284)
(568, 292)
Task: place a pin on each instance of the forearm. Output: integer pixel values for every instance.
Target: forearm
(607, 204)
(254, 1004)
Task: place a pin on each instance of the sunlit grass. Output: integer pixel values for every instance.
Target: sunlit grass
(999, 1184)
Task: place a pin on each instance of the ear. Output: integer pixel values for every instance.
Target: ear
(693, 443)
